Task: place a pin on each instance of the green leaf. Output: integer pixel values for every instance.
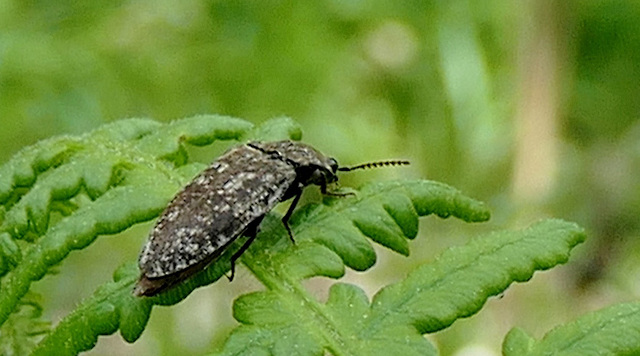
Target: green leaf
(22, 331)
(454, 286)
(142, 189)
(129, 170)
(113, 306)
(611, 331)
(282, 128)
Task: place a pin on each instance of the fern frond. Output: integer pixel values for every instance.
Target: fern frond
(326, 235)
(124, 168)
(456, 285)
(24, 328)
(614, 330)
(126, 172)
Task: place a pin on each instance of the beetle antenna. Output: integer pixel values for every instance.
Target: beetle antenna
(374, 165)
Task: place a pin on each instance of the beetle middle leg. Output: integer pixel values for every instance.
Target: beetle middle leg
(285, 218)
(251, 232)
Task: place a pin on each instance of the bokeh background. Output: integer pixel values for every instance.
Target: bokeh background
(531, 106)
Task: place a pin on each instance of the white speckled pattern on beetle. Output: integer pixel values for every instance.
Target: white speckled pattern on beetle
(223, 202)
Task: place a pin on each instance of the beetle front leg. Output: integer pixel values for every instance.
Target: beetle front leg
(323, 190)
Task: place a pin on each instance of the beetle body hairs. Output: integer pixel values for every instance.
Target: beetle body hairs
(227, 200)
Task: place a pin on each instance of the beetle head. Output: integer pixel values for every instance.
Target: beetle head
(322, 174)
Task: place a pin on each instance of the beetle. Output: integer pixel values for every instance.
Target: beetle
(227, 200)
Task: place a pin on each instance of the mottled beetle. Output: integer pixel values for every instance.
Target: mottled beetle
(227, 200)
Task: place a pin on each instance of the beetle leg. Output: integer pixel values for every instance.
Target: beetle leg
(238, 254)
(323, 190)
(252, 232)
(285, 218)
(336, 194)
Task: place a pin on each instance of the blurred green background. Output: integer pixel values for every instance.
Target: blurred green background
(531, 106)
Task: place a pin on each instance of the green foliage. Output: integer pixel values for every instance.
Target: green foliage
(438, 82)
(19, 334)
(429, 299)
(319, 251)
(611, 331)
(61, 194)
